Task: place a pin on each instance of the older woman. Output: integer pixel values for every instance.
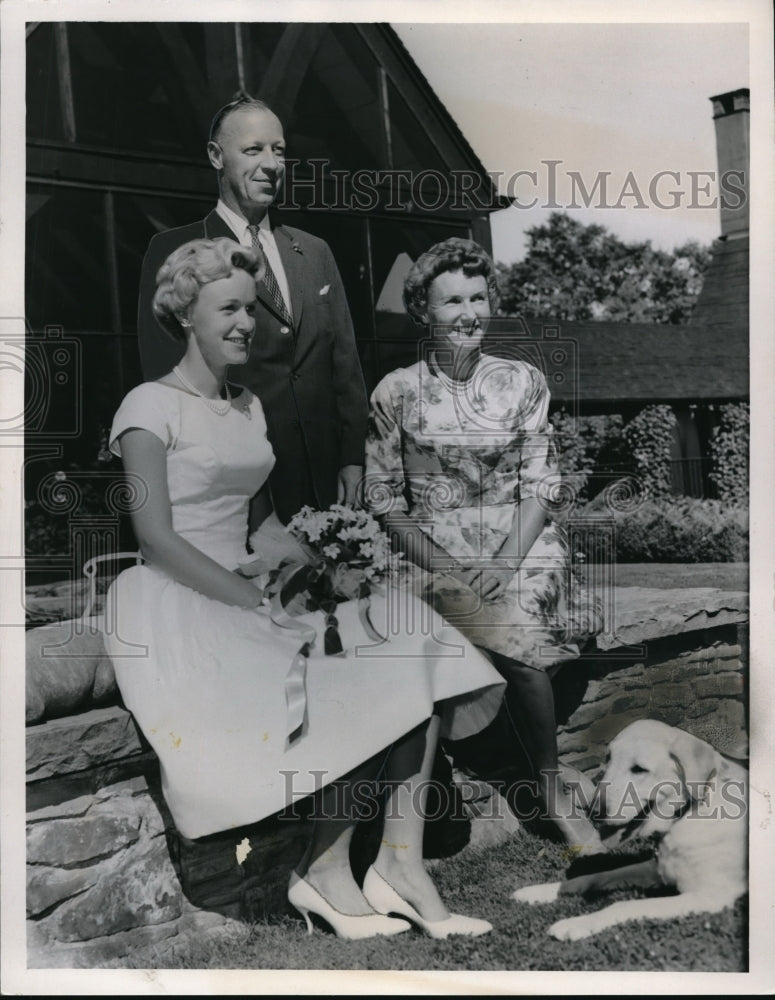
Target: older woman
(201, 664)
(459, 461)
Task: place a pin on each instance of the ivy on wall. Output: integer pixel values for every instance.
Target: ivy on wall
(649, 437)
(729, 453)
(591, 450)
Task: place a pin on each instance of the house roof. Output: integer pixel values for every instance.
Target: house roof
(702, 361)
(597, 366)
(643, 362)
(723, 301)
(413, 73)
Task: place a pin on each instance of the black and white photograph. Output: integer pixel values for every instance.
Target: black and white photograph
(386, 426)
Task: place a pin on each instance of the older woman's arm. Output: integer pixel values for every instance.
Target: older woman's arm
(145, 460)
(529, 519)
(538, 474)
(385, 483)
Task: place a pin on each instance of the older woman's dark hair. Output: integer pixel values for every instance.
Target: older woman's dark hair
(192, 265)
(454, 254)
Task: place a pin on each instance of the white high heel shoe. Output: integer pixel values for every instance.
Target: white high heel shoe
(384, 898)
(306, 899)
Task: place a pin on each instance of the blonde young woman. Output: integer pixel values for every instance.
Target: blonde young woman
(202, 666)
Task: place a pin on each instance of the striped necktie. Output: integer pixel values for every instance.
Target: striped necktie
(269, 279)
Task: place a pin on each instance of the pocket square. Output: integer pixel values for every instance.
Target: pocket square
(324, 290)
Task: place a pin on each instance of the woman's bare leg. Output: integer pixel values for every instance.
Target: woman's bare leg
(399, 859)
(326, 862)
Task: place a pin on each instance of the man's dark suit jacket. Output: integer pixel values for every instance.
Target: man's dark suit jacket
(308, 378)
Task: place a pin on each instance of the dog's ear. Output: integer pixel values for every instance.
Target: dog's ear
(696, 761)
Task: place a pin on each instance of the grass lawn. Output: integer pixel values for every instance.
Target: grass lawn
(479, 882)
(666, 576)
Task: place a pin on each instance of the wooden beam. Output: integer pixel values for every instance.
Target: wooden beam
(288, 66)
(481, 232)
(450, 150)
(180, 178)
(119, 170)
(384, 106)
(220, 63)
(440, 128)
(193, 91)
(239, 45)
(64, 74)
(112, 262)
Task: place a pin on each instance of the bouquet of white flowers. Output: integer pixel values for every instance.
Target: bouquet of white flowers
(348, 549)
(340, 554)
(345, 552)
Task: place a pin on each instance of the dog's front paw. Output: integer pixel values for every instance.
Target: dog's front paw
(546, 892)
(571, 929)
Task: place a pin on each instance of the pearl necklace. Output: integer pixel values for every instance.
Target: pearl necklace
(220, 410)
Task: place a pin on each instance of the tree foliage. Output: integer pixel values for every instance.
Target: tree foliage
(574, 271)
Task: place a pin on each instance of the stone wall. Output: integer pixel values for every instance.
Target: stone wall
(107, 871)
(696, 683)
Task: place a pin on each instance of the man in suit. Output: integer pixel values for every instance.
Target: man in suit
(303, 362)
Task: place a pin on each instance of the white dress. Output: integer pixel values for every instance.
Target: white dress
(205, 681)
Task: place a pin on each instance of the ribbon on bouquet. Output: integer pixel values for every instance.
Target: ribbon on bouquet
(289, 585)
(332, 641)
(364, 613)
(296, 584)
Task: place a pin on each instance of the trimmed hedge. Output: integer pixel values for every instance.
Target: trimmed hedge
(680, 530)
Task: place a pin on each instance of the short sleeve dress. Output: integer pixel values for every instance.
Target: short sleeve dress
(205, 680)
(458, 457)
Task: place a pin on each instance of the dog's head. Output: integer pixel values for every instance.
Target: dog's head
(653, 772)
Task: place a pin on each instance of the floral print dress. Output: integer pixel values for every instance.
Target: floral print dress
(458, 458)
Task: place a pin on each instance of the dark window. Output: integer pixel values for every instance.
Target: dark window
(44, 114)
(336, 114)
(138, 218)
(346, 237)
(412, 146)
(67, 277)
(368, 355)
(140, 87)
(395, 246)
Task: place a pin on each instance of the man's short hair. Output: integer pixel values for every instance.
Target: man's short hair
(240, 100)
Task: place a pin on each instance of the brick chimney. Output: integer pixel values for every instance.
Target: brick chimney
(731, 113)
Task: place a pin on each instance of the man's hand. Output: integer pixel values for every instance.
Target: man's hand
(349, 488)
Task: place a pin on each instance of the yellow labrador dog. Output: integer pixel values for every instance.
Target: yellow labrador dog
(661, 780)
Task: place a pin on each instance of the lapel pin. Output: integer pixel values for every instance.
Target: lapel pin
(324, 290)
